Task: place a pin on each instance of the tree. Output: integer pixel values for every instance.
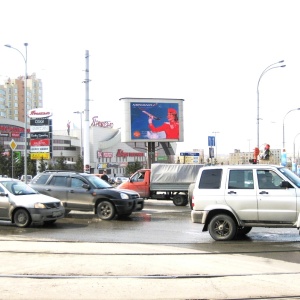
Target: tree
(61, 163)
(4, 162)
(42, 165)
(133, 167)
(79, 164)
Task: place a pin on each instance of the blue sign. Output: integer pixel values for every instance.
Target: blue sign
(189, 154)
(211, 141)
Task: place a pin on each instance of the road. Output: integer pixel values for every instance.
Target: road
(154, 254)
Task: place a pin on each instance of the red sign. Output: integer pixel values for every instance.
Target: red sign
(16, 135)
(104, 154)
(104, 124)
(121, 153)
(43, 142)
(39, 113)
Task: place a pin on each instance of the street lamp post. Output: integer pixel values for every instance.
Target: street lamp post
(25, 105)
(81, 148)
(215, 132)
(270, 67)
(283, 136)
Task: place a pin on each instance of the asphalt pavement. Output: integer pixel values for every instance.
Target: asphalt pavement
(75, 270)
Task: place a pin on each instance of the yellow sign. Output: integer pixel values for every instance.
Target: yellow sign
(40, 156)
(13, 145)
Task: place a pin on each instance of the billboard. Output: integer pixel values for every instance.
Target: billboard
(153, 120)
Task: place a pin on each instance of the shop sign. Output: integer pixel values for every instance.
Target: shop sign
(39, 128)
(42, 142)
(40, 156)
(103, 124)
(121, 153)
(40, 135)
(104, 154)
(39, 113)
(39, 149)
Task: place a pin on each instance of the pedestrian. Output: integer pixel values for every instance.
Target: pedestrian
(104, 176)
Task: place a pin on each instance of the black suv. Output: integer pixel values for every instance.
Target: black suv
(87, 192)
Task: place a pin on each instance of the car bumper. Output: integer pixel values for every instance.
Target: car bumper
(139, 204)
(198, 216)
(40, 215)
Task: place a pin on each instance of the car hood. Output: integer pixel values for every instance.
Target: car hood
(32, 198)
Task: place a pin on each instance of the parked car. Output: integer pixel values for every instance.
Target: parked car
(230, 200)
(22, 205)
(29, 178)
(86, 192)
(120, 180)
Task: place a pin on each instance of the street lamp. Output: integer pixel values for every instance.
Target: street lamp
(283, 140)
(81, 148)
(270, 67)
(25, 104)
(215, 132)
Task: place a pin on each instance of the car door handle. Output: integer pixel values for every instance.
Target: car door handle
(264, 192)
(232, 192)
(48, 190)
(71, 191)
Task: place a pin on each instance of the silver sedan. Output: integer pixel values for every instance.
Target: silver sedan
(22, 205)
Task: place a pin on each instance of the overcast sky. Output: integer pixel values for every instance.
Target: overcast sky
(209, 53)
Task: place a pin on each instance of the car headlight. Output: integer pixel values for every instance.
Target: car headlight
(124, 196)
(39, 205)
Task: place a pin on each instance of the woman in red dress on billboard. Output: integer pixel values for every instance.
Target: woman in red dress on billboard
(171, 128)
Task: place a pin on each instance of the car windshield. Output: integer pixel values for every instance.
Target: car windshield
(18, 187)
(291, 176)
(98, 182)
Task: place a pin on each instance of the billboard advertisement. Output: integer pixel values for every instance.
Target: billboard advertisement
(153, 120)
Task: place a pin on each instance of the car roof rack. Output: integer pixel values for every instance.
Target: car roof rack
(61, 171)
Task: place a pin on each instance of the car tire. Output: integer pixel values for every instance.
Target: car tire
(244, 230)
(222, 228)
(106, 210)
(22, 218)
(180, 200)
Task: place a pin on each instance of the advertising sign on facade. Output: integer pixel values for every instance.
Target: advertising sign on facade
(41, 142)
(40, 134)
(39, 156)
(152, 120)
(40, 149)
(39, 128)
(39, 113)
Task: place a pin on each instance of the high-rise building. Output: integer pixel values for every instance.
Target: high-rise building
(12, 99)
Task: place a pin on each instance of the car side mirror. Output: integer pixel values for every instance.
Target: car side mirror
(86, 186)
(285, 184)
(2, 194)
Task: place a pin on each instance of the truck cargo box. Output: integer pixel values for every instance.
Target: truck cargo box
(173, 177)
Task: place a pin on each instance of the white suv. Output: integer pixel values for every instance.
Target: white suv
(232, 199)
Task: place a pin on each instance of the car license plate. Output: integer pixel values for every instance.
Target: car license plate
(56, 214)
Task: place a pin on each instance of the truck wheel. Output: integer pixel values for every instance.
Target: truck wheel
(244, 230)
(180, 200)
(106, 210)
(222, 228)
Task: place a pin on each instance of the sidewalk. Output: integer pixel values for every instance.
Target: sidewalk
(61, 270)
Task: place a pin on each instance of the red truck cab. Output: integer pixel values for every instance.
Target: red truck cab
(139, 182)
